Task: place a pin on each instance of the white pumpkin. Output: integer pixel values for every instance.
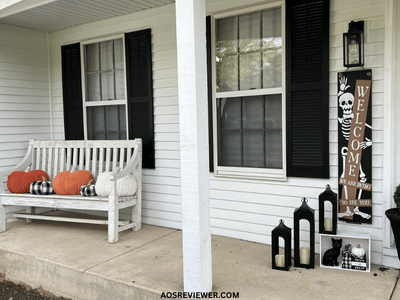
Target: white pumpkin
(126, 186)
(358, 251)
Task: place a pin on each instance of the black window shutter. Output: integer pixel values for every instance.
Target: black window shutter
(72, 92)
(210, 95)
(140, 91)
(307, 96)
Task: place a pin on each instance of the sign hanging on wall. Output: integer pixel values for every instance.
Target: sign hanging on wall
(355, 146)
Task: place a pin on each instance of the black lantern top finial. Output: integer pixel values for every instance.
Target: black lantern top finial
(328, 192)
(304, 208)
(282, 227)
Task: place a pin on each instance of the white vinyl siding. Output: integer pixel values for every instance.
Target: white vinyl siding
(24, 92)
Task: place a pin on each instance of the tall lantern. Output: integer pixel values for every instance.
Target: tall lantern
(353, 45)
(304, 257)
(328, 225)
(281, 262)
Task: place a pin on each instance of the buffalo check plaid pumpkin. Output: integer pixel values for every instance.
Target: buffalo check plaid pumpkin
(41, 188)
(346, 257)
(87, 190)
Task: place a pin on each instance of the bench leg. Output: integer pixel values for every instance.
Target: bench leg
(2, 218)
(30, 210)
(137, 217)
(113, 218)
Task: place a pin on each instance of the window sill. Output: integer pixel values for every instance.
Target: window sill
(250, 173)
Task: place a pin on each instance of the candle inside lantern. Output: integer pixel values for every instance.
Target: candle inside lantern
(328, 224)
(280, 260)
(304, 255)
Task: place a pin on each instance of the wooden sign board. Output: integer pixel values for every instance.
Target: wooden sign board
(355, 146)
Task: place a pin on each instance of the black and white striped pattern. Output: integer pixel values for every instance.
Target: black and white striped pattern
(41, 188)
(87, 190)
(346, 126)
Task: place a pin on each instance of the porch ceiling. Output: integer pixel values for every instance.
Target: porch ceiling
(50, 16)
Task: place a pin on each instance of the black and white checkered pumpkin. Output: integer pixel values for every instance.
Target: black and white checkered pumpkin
(88, 189)
(41, 187)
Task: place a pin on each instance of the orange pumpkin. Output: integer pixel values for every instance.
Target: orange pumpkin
(19, 181)
(69, 182)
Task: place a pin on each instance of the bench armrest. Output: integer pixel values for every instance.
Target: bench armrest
(20, 167)
(134, 165)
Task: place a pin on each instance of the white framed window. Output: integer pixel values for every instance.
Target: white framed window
(104, 89)
(249, 92)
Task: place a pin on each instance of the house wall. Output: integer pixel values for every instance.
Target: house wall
(161, 187)
(251, 209)
(244, 209)
(24, 93)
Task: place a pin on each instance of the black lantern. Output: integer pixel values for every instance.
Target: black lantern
(353, 45)
(281, 262)
(304, 257)
(328, 225)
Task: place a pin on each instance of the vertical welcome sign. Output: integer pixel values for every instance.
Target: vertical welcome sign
(355, 146)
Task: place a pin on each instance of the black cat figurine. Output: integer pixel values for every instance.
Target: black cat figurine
(330, 257)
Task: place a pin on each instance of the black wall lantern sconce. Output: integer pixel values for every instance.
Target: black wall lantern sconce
(327, 225)
(353, 45)
(281, 262)
(304, 257)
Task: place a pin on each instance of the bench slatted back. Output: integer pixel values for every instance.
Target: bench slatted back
(54, 157)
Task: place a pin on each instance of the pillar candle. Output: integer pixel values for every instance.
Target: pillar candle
(280, 260)
(328, 224)
(304, 255)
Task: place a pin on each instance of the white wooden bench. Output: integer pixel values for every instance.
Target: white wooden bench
(54, 157)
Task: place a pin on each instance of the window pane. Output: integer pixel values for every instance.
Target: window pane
(119, 85)
(249, 33)
(92, 57)
(122, 122)
(106, 56)
(226, 51)
(272, 29)
(250, 131)
(272, 68)
(229, 135)
(230, 153)
(118, 54)
(115, 117)
(273, 131)
(96, 123)
(93, 87)
(107, 86)
(227, 74)
(273, 112)
(253, 113)
(272, 46)
(250, 71)
(226, 36)
(253, 149)
(112, 122)
(230, 113)
(106, 122)
(273, 149)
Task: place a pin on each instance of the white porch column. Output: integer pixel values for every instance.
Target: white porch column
(193, 116)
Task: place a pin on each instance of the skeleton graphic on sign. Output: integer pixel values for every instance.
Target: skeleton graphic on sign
(346, 102)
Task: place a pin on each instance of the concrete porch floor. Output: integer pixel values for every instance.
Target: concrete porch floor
(76, 261)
